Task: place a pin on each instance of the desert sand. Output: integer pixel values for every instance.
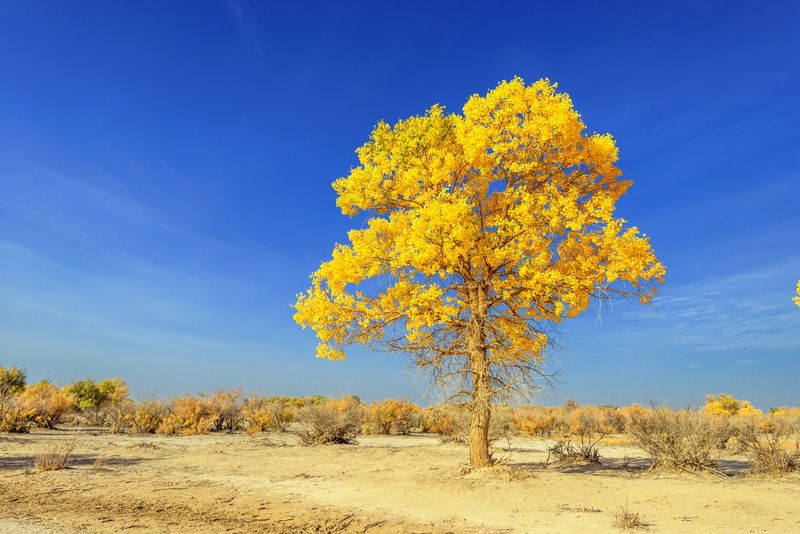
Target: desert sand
(270, 483)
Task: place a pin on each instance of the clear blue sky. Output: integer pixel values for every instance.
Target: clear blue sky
(165, 172)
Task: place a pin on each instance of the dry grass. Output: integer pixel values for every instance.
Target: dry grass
(624, 518)
(565, 453)
(769, 454)
(680, 439)
(99, 464)
(338, 421)
(53, 457)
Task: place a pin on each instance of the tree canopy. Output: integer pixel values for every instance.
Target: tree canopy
(482, 232)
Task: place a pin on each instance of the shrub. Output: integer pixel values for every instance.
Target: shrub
(47, 403)
(113, 390)
(189, 415)
(537, 421)
(390, 416)
(118, 417)
(53, 457)
(724, 404)
(86, 394)
(584, 421)
(15, 416)
(262, 415)
(438, 420)
(770, 453)
(567, 453)
(613, 421)
(227, 409)
(624, 518)
(337, 421)
(90, 398)
(452, 422)
(144, 417)
(12, 381)
(680, 439)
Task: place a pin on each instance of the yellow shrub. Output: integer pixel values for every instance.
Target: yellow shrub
(785, 412)
(262, 415)
(189, 415)
(390, 416)
(226, 407)
(541, 420)
(613, 421)
(584, 421)
(336, 421)
(113, 390)
(14, 415)
(146, 417)
(47, 403)
(724, 404)
(438, 420)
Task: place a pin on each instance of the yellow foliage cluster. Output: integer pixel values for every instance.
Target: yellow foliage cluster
(262, 415)
(439, 420)
(512, 195)
(47, 403)
(568, 421)
(221, 410)
(785, 412)
(724, 404)
(15, 416)
(12, 381)
(538, 421)
(390, 416)
(145, 417)
(343, 404)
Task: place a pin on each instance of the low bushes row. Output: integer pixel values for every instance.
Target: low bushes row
(674, 439)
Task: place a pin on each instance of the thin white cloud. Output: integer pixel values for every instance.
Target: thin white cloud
(248, 26)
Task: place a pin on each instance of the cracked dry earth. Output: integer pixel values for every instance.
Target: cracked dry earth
(399, 484)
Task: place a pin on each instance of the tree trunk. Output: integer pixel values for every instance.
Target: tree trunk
(481, 405)
(479, 425)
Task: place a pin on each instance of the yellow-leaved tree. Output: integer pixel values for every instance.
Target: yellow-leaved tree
(484, 231)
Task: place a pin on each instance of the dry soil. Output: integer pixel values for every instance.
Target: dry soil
(415, 484)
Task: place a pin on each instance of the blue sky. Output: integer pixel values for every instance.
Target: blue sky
(165, 174)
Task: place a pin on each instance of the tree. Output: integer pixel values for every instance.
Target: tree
(91, 396)
(724, 404)
(12, 381)
(481, 233)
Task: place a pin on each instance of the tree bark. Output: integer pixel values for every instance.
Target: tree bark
(481, 405)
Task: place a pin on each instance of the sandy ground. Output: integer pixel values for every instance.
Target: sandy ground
(414, 484)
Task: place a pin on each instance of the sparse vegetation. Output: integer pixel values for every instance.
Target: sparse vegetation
(12, 381)
(770, 453)
(684, 439)
(392, 416)
(724, 404)
(263, 415)
(47, 403)
(15, 417)
(626, 519)
(337, 421)
(54, 457)
(680, 439)
(565, 453)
